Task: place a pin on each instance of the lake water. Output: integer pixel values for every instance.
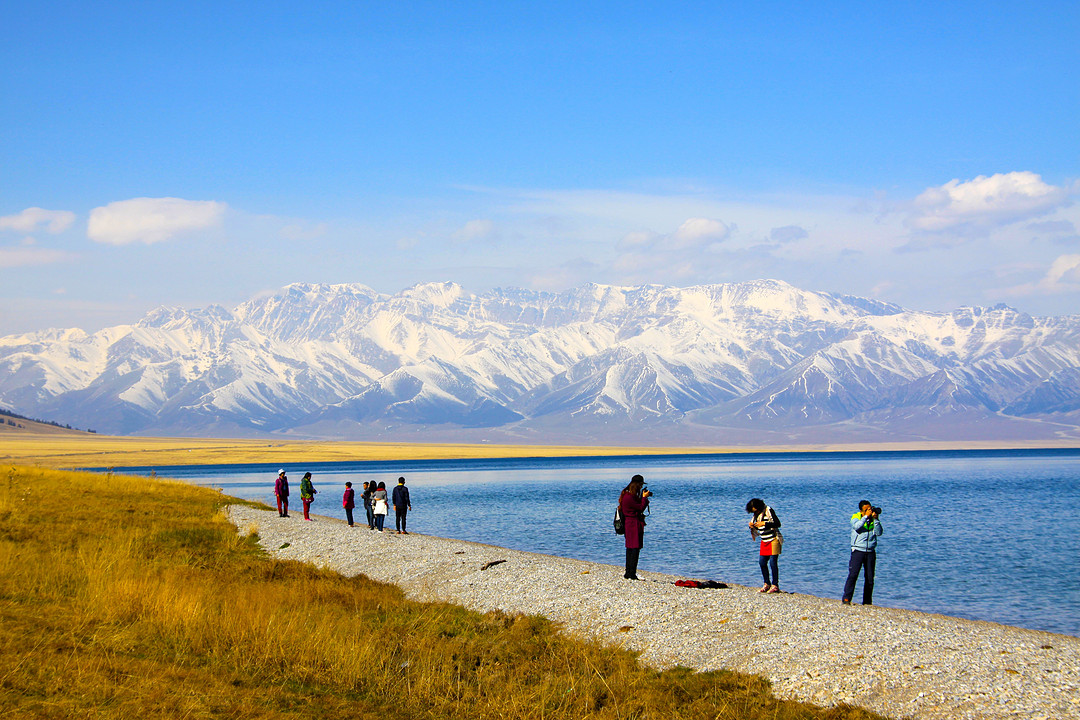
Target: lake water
(986, 535)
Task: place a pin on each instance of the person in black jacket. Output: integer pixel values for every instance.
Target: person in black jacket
(369, 490)
(401, 505)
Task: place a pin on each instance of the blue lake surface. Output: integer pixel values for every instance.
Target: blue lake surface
(986, 535)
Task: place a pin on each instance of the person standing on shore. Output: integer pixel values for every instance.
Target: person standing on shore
(281, 492)
(865, 530)
(402, 506)
(633, 501)
(307, 493)
(766, 526)
(347, 502)
(369, 488)
(378, 499)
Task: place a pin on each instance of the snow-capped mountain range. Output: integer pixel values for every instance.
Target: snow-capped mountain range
(760, 363)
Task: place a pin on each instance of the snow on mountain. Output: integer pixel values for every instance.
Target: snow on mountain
(595, 364)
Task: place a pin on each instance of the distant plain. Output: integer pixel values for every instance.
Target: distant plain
(49, 446)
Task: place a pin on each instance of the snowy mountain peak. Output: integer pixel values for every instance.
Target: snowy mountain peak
(761, 361)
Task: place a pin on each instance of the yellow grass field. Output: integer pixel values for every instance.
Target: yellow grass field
(140, 600)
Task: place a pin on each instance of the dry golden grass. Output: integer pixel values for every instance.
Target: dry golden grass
(132, 598)
(80, 451)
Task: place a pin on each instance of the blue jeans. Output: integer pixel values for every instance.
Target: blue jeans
(866, 562)
(767, 563)
(379, 520)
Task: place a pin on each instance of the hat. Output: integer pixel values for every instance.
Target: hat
(281, 471)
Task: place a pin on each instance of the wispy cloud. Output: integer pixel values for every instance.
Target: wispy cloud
(33, 219)
(152, 220)
(12, 257)
(680, 254)
(1062, 277)
(476, 230)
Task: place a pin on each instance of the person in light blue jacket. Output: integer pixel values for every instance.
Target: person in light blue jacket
(865, 531)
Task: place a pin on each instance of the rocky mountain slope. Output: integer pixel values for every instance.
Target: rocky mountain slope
(758, 362)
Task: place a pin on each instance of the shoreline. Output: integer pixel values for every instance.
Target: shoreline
(901, 663)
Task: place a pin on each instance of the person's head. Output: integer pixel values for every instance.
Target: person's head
(865, 507)
(281, 472)
(348, 484)
(401, 481)
(307, 476)
(636, 483)
(755, 506)
(382, 485)
(366, 483)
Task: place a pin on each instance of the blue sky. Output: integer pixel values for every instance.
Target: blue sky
(196, 153)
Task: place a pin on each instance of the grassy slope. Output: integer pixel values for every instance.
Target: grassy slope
(132, 598)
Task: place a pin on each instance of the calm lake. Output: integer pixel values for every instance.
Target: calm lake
(986, 535)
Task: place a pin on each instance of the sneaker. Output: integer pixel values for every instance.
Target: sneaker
(845, 601)
(765, 588)
(774, 589)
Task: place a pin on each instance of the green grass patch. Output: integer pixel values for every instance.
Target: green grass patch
(136, 598)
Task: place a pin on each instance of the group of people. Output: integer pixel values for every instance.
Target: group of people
(373, 496)
(765, 528)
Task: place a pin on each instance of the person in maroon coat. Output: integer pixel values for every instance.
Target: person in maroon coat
(348, 502)
(632, 504)
(281, 491)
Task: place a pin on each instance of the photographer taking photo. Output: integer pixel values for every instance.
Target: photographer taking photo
(865, 531)
(633, 501)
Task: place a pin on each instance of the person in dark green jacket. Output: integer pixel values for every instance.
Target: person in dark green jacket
(307, 493)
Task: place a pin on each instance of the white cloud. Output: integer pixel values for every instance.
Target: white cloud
(151, 220)
(697, 232)
(11, 257)
(985, 202)
(30, 219)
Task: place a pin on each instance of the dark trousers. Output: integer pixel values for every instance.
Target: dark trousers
(864, 561)
(348, 515)
(399, 518)
(282, 506)
(370, 515)
(379, 520)
(767, 563)
(631, 563)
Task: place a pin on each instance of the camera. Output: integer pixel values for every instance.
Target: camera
(644, 489)
(875, 510)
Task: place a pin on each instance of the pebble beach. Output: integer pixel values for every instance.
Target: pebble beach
(900, 663)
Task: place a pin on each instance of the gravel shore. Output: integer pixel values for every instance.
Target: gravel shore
(899, 663)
